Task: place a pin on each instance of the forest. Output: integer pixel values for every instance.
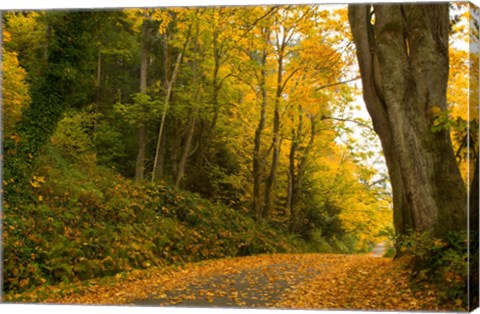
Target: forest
(139, 141)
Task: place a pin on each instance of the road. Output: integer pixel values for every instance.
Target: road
(378, 250)
(281, 281)
(254, 287)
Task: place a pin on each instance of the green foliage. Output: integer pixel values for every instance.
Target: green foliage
(84, 225)
(390, 252)
(109, 144)
(389, 233)
(442, 262)
(466, 137)
(74, 134)
(222, 181)
(66, 82)
(144, 108)
(71, 214)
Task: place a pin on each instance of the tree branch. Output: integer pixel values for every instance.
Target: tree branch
(259, 19)
(348, 120)
(337, 83)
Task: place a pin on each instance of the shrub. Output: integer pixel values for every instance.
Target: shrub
(442, 262)
(81, 226)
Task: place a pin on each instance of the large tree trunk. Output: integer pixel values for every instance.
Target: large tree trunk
(403, 59)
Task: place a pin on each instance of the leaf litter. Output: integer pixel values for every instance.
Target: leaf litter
(284, 281)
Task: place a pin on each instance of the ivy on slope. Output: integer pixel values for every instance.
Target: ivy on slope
(89, 224)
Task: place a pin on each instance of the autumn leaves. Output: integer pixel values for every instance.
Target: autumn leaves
(293, 281)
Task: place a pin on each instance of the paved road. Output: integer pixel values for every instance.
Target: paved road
(281, 281)
(379, 250)
(284, 281)
(261, 287)
(257, 287)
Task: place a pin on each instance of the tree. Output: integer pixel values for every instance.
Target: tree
(14, 89)
(29, 33)
(196, 90)
(402, 52)
(223, 40)
(65, 82)
(258, 162)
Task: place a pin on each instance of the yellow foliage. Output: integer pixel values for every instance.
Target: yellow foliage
(37, 181)
(365, 211)
(15, 90)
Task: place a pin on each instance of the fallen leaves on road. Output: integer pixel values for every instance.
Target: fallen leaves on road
(361, 282)
(300, 281)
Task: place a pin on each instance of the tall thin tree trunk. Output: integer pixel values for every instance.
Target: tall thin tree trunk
(474, 235)
(99, 77)
(292, 176)
(270, 183)
(257, 159)
(300, 174)
(98, 89)
(169, 83)
(474, 195)
(205, 141)
(141, 128)
(193, 116)
(186, 149)
(175, 148)
(160, 162)
(160, 159)
(164, 114)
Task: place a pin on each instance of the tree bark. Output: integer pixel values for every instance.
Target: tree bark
(97, 89)
(292, 171)
(160, 158)
(196, 97)
(403, 59)
(169, 83)
(99, 77)
(204, 142)
(474, 197)
(299, 174)
(158, 150)
(257, 159)
(141, 128)
(270, 182)
(186, 149)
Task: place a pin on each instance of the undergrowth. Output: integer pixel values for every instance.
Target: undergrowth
(439, 262)
(87, 224)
